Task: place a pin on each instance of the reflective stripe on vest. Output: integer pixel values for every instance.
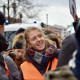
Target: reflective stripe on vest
(31, 73)
(7, 71)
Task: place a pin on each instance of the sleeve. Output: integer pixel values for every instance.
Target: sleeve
(3, 75)
(76, 69)
(21, 75)
(13, 69)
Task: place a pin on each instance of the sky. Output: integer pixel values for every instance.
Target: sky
(58, 12)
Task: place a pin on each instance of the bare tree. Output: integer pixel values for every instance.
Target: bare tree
(25, 9)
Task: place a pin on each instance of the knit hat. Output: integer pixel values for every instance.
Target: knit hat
(20, 30)
(18, 45)
(3, 43)
(2, 18)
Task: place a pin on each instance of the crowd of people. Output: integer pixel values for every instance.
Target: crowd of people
(40, 55)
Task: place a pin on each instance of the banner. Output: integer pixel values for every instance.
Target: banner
(72, 6)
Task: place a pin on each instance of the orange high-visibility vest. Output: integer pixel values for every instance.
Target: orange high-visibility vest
(7, 71)
(31, 73)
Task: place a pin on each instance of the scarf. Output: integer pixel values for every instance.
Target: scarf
(47, 55)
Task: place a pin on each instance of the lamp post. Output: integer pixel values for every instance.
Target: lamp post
(47, 20)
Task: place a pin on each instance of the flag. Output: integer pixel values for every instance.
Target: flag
(72, 6)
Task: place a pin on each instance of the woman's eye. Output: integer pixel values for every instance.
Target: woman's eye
(33, 39)
(40, 36)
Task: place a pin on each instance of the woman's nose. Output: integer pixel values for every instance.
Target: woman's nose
(20, 54)
(38, 38)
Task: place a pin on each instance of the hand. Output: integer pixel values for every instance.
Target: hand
(76, 18)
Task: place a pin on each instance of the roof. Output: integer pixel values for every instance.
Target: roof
(15, 27)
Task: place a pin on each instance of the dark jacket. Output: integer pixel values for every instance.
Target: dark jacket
(3, 47)
(68, 47)
(3, 75)
(76, 69)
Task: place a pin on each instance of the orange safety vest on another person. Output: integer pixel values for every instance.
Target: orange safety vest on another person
(31, 73)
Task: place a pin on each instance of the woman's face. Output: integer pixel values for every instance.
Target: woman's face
(36, 40)
(19, 53)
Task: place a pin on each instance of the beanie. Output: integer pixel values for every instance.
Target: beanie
(3, 43)
(2, 18)
(20, 30)
(18, 45)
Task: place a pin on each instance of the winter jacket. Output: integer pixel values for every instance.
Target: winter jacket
(76, 69)
(3, 75)
(67, 50)
(14, 74)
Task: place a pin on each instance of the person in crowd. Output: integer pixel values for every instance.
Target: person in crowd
(20, 30)
(39, 57)
(19, 48)
(68, 46)
(19, 38)
(46, 32)
(76, 67)
(54, 38)
(4, 73)
(14, 74)
(2, 22)
(3, 47)
(66, 52)
(19, 51)
(65, 58)
(72, 71)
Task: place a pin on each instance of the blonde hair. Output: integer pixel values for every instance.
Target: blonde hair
(26, 32)
(54, 37)
(19, 38)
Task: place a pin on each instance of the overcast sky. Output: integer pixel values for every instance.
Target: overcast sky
(58, 12)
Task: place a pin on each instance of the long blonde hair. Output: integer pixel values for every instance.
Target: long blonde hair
(26, 35)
